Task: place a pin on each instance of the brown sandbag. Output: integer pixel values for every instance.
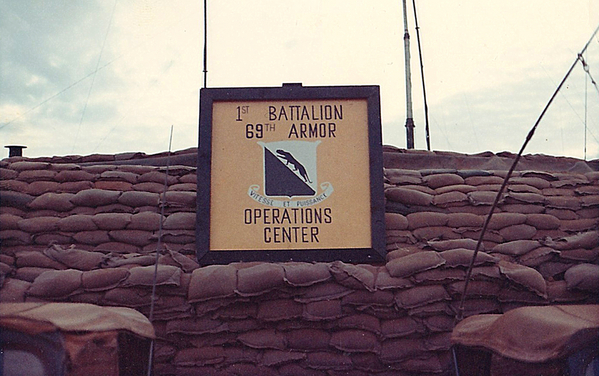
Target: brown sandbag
(461, 257)
(56, 283)
(195, 326)
(439, 276)
(258, 279)
(75, 258)
(148, 221)
(39, 224)
(157, 177)
(587, 240)
(38, 188)
(91, 237)
(353, 276)
(29, 273)
(563, 202)
(518, 232)
(360, 321)
(15, 199)
(74, 186)
(537, 256)
(400, 327)
(583, 277)
(409, 196)
(29, 165)
(179, 199)
(426, 219)
(395, 350)
(112, 221)
(395, 221)
(103, 279)
(501, 220)
(308, 339)
(74, 175)
(450, 199)
(421, 295)
(60, 202)
(36, 259)
(543, 221)
(14, 237)
(414, 263)
(13, 290)
(180, 221)
(516, 247)
(323, 310)
(272, 358)
(444, 245)
(95, 197)
(305, 274)
(355, 341)
(524, 276)
(125, 176)
(279, 309)
(198, 357)
(384, 281)
(579, 225)
(76, 223)
(441, 180)
(166, 275)
(138, 199)
(435, 233)
(36, 175)
(457, 220)
(135, 237)
(214, 281)
(485, 198)
(328, 361)
(263, 339)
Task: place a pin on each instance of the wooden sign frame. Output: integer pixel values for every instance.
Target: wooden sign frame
(349, 116)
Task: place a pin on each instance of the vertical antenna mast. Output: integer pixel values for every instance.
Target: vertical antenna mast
(409, 115)
(205, 43)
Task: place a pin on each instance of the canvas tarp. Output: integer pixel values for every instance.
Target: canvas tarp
(532, 334)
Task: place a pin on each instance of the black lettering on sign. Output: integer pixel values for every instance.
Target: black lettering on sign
(306, 113)
(292, 234)
(312, 130)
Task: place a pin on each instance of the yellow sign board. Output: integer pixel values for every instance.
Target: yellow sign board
(288, 174)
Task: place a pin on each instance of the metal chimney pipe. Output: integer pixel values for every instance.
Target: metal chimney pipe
(15, 150)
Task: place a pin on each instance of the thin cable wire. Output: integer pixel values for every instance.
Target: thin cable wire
(426, 127)
(586, 98)
(460, 313)
(205, 43)
(587, 69)
(94, 76)
(160, 31)
(158, 247)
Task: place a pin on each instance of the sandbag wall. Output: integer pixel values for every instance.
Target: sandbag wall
(298, 318)
(104, 208)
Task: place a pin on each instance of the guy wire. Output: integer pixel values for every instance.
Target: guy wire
(158, 246)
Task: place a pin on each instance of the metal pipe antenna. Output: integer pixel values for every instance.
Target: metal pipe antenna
(205, 43)
(426, 129)
(409, 115)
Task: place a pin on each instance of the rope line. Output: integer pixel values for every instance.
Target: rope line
(94, 77)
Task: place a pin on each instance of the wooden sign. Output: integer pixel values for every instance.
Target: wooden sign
(290, 173)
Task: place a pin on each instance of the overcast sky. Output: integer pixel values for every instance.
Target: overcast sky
(106, 76)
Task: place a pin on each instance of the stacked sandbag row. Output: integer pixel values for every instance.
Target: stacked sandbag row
(292, 318)
(99, 208)
(548, 221)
